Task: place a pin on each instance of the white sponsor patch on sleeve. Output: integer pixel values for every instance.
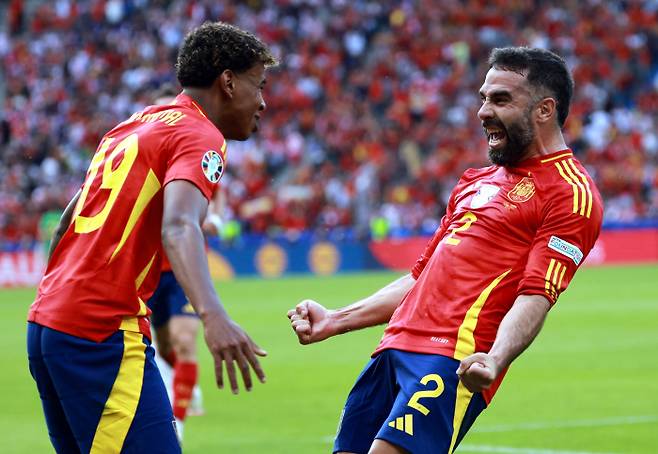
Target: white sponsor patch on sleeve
(566, 248)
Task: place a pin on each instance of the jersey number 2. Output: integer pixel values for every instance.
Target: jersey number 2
(468, 219)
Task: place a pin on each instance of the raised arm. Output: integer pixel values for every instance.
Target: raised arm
(312, 322)
(516, 332)
(184, 210)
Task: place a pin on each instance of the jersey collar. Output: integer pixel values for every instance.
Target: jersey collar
(185, 100)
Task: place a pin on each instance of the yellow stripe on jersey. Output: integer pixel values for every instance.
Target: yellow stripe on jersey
(149, 189)
(121, 405)
(461, 405)
(547, 279)
(465, 337)
(588, 189)
(224, 149)
(196, 106)
(564, 155)
(559, 282)
(573, 186)
(581, 188)
(145, 271)
(556, 272)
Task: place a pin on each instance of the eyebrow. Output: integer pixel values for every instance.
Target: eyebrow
(497, 94)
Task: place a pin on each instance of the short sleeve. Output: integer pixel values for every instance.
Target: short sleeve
(561, 244)
(197, 157)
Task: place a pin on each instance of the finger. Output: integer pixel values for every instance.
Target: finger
(253, 361)
(256, 349)
(219, 373)
(466, 363)
(243, 365)
(300, 324)
(302, 309)
(230, 370)
(291, 312)
(303, 333)
(463, 366)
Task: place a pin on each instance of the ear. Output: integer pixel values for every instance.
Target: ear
(546, 109)
(226, 81)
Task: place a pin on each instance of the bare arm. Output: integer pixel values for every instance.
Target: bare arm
(184, 210)
(64, 222)
(212, 224)
(516, 332)
(313, 323)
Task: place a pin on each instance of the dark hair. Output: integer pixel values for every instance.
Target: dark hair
(543, 70)
(214, 47)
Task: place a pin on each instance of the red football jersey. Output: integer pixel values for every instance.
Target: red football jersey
(507, 232)
(108, 261)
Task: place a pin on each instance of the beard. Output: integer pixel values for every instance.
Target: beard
(519, 135)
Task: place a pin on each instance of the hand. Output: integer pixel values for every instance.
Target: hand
(212, 225)
(229, 344)
(310, 321)
(477, 372)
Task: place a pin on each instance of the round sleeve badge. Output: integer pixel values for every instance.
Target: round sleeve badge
(212, 165)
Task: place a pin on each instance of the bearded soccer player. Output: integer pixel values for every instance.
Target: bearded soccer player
(509, 244)
(88, 331)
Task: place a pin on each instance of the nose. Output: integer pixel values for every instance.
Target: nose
(485, 111)
(262, 106)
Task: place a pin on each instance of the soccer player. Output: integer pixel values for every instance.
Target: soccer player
(510, 242)
(148, 184)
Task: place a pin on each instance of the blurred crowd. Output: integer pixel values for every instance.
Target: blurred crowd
(371, 115)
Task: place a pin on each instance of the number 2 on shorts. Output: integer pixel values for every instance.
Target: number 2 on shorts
(436, 392)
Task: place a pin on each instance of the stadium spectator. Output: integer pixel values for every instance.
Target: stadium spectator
(375, 96)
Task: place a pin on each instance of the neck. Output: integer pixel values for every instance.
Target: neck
(202, 98)
(547, 143)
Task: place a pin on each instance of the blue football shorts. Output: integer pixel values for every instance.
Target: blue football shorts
(412, 400)
(168, 301)
(101, 397)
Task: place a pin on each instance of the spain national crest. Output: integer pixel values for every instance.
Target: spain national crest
(523, 191)
(212, 165)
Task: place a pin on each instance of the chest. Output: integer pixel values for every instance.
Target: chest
(497, 206)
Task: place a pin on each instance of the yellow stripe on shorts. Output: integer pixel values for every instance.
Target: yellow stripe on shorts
(461, 405)
(121, 405)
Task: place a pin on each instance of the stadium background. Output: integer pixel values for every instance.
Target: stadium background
(370, 121)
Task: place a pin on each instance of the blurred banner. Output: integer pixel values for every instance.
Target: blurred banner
(21, 268)
(614, 247)
(257, 256)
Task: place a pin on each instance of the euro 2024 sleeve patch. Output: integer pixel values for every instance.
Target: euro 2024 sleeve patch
(212, 165)
(566, 248)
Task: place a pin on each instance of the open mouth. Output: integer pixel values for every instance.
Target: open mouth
(495, 136)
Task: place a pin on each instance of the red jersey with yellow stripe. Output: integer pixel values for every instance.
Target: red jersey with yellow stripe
(507, 232)
(107, 263)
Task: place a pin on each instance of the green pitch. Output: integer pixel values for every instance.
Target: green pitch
(589, 384)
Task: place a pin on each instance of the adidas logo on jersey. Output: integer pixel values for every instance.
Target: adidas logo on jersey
(405, 424)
